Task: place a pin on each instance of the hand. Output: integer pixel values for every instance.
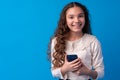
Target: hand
(71, 66)
(83, 70)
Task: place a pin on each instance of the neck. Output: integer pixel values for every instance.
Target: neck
(74, 36)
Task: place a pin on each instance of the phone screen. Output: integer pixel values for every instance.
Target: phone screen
(71, 57)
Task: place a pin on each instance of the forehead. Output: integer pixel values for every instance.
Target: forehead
(74, 11)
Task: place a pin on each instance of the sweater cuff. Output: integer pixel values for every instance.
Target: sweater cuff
(57, 73)
(100, 75)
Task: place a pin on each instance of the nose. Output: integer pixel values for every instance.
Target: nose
(76, 19)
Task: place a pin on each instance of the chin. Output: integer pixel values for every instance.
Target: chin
(77, 31)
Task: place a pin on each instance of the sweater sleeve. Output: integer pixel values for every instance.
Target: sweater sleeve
(97, 59)
(57, 71)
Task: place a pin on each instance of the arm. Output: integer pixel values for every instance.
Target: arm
(97, 59)
(93, 74)
(97, 62)
(70, 66)
(56, 72)
(85, 71)
(66, 67)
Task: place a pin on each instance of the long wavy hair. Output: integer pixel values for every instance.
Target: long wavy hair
(60, 34)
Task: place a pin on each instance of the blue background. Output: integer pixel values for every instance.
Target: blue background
(27, 25)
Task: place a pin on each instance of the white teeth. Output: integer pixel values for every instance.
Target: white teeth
(77, 24)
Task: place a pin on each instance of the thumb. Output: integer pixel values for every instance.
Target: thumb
(66, 58)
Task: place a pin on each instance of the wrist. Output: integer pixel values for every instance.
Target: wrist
(92, 74)
(63, 69)
(88, 72)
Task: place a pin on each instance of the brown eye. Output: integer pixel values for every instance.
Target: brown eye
(81, 15)
(71, 17)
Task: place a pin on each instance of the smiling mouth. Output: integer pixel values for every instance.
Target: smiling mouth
(77, 24)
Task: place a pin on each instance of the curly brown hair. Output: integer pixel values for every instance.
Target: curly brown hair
(60, 34)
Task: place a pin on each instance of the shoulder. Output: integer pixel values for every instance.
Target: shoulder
(53, 41)
(88, 39)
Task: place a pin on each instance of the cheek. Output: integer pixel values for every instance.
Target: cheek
(68, 22)
(83, 20)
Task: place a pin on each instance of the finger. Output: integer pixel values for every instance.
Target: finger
(76, 72)
(76, 60)
(77, 66)
(81, 64)
(74, 69)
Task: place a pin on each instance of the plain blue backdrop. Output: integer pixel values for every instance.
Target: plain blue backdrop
(27, 25)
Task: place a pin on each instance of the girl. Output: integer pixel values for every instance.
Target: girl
(73, 36)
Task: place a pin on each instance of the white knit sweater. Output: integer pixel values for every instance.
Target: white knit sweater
(88, 49)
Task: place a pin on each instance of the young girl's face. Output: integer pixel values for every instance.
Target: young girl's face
(75, 19)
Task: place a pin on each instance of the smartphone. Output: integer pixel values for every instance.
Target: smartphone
(71, 57)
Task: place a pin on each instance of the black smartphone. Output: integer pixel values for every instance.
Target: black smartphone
(71, 57)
